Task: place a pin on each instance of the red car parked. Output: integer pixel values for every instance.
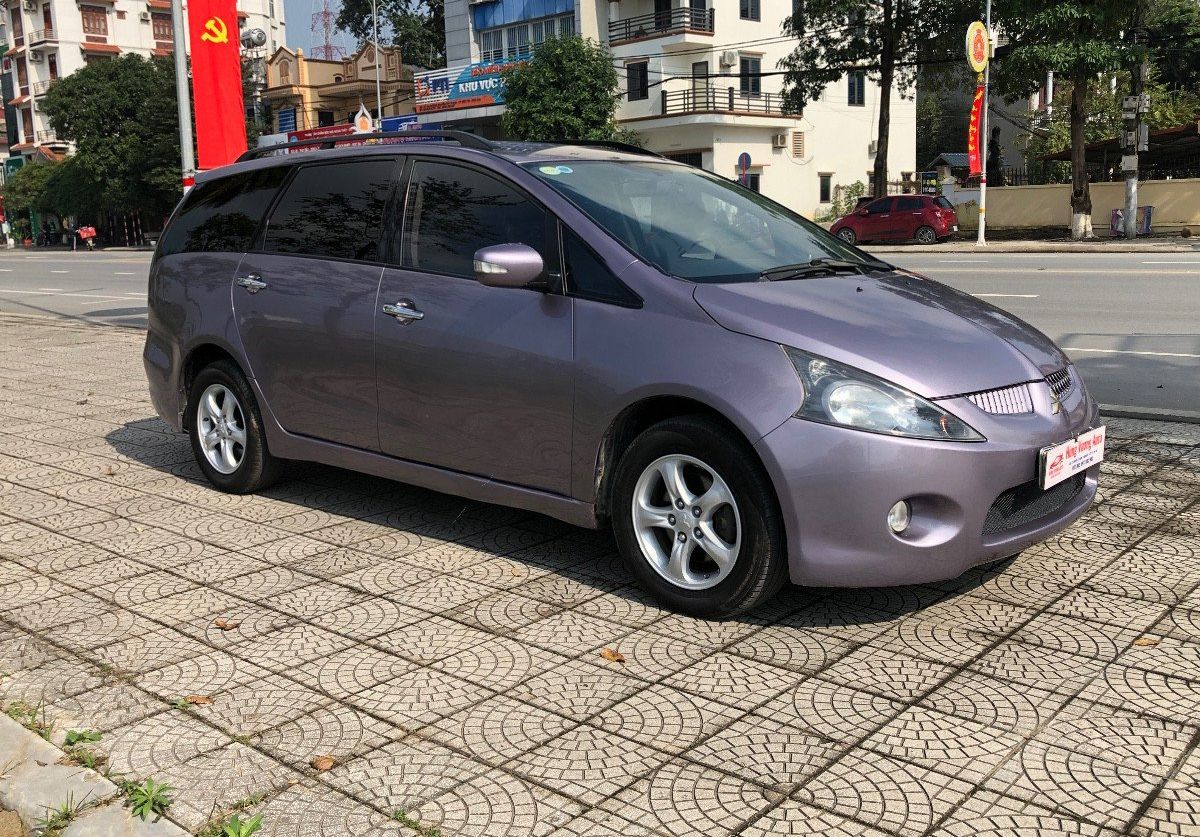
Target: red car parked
(927, 218)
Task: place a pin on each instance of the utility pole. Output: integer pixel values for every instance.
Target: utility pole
(378, 94)
(1136, 136)
(183, 92)
(981, 240)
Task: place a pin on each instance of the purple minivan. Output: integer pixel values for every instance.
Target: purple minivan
(596, 333)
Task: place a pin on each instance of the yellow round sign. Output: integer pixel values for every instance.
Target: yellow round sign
(978, 46)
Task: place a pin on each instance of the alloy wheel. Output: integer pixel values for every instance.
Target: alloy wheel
(221, 428)
(686, 521)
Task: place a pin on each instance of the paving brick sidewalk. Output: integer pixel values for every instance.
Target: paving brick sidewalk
(446, 655)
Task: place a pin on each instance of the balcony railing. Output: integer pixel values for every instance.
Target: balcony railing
(40, 87)
(42, 36)
(47, 136)
(660, 24)
(715, 100)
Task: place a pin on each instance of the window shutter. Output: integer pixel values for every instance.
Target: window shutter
(797, 143)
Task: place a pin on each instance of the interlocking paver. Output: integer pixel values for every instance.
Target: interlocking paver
(445, 654)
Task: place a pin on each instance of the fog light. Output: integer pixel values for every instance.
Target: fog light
(899, 517)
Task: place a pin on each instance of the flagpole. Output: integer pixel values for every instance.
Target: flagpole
(378, 93)
(183, 95)
(981, 240)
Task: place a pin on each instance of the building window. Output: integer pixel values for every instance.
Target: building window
(120, 14)
(638, 80)
(324, 118)
(750, 9)
(691, 158)
(521, 38)
(750, 75)
(857, 93)
(95, 20)
(161, 26)
(753, 181)
(826, 187)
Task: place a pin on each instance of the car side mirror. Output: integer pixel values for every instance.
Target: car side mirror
(510, 266)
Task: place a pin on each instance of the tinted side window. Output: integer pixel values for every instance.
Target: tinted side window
(333, 210)
(943, 202)
(909, 204)
(223, 215)
(880, 206)
(586, 276)
(452, 211)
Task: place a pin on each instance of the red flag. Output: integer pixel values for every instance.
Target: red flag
(973, 133)
(216, 82)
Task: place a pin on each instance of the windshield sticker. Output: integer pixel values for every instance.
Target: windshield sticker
(555, 170)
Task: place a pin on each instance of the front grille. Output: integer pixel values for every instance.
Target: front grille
(1027, 502)
(1060, 382)
(1006, 401)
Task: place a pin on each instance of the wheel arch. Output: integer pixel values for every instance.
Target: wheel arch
(631, 421)
(197, 358)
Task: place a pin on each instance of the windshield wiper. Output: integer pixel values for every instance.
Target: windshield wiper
(820, 266)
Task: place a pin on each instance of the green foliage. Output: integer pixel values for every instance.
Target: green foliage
(412, 822)
(31, 717)
(23, 188)
(148, 798)
(81, 736)
(122, 117)
(845, 198)
(567, 90)
(57, 819)
(1174, 36)
(235, 826)
(940, 126)
(418, 27)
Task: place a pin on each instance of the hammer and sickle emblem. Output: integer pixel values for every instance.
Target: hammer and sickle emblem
(215, 31)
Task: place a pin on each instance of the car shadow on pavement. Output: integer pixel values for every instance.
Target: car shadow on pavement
(347, 509)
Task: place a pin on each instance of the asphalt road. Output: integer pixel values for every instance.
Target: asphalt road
(1130, 321)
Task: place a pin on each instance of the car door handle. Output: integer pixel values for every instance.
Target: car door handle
(252, 282)
(404, 311)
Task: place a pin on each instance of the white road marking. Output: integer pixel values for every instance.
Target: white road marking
(44, 293)
(1016, 296)
(1128, 352)
(124, 274)
(5, 270)
(52, 290)
(60, 271)
(962, 261)
(1196, 263)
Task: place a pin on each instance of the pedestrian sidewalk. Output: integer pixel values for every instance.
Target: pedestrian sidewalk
(1094, 246)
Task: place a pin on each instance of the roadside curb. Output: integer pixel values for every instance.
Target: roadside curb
(34, 784)
(1036, 247)
(1150, 414)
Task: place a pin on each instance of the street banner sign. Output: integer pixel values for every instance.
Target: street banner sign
(978, 46)
(973, 157)
(216, 82)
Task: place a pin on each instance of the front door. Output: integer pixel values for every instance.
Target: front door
(662, 14)
(473, 378)
(305, 303)
(908, 215)
(877, 225)
(700, 86)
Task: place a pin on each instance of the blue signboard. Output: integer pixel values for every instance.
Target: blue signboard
(455, 88)
(287, 120)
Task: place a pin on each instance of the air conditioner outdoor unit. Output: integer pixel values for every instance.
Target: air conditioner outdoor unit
(35, 55)
(872, 148)
(729, 57)
(29, 6)
(144, 17)
(779, 141)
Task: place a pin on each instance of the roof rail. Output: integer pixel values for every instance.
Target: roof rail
(461, 137)
(615, 145)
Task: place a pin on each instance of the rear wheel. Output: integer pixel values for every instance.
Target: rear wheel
(926, 235)
(847, 235)
(696, 519)
(227, 431)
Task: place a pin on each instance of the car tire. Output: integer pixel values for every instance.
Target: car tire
(748, 526)
(847, 235)
(926, 235)
(227, 436)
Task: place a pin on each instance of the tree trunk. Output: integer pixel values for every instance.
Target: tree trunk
(1081, 193)
(887, 69)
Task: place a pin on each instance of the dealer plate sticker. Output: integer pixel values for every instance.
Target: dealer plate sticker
(1066, 459)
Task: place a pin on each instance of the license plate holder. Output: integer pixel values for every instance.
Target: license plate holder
(1064, 460)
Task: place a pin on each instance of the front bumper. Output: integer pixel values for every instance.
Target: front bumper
(835, 487)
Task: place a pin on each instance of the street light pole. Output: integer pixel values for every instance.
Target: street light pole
(981, 240)
(183, 95)
(378, 89)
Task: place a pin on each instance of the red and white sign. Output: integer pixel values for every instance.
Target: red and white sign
(216, 82)
(332, 132)
(973, 132)
(1065, 460)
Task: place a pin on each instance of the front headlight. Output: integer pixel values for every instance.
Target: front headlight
(838, 394)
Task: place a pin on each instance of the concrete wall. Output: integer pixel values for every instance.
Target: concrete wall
(1176, 204)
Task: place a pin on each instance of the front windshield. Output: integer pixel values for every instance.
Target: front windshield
(689, 223)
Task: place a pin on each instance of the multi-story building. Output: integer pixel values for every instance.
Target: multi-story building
(698, 84)
(49, 39)
(307, 92)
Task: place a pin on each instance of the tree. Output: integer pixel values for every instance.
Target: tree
(567, 90)
(418, 27)
(885, 41)
(122, 117)
(23, 188)
(1174, 29)
(1078, 40)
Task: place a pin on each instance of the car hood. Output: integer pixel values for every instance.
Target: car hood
(918, 333)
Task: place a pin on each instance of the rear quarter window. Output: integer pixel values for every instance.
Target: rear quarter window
(223, 215)
(944, 203)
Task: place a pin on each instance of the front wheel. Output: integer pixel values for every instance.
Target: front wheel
(847, 235)
(926, 235)
(696, 520)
